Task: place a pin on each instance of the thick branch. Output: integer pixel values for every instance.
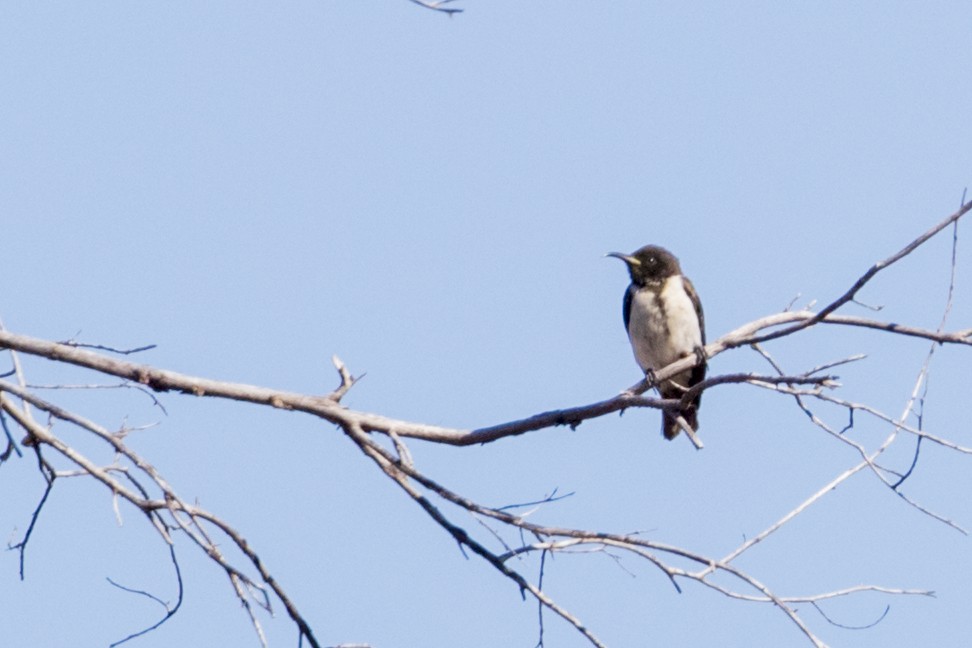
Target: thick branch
(329, 409)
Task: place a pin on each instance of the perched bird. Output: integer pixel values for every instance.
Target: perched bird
(663, 317)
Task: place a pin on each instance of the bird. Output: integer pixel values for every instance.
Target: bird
(663, 318)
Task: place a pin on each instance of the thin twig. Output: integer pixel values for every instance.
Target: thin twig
(867, 276)
(438, 5)
(169, 611)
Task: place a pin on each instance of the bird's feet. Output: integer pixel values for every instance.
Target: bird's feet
(650, 378)
(700, 355)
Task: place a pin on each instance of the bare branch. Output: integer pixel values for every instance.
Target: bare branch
(399, 474)
(130, 478)
(867, 276)
(170, 611)
(101, 347)
(438, 5)
(170, 502)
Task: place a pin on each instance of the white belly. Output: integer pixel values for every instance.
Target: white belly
(660, 336)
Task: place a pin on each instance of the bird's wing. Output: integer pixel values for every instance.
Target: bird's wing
(698, 371)
(626, 310)
(694, 296)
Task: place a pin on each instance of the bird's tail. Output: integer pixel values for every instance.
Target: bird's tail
(670, 427)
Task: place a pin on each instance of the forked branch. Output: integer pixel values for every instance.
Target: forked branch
(510, 535)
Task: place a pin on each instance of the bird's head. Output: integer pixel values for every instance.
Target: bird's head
(649, 265)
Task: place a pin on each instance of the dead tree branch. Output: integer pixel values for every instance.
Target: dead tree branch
(438, 5)
(510, 536)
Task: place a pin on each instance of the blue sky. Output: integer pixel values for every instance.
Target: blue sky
(255, 187)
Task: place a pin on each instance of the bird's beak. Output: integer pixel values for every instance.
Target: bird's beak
(630, 260)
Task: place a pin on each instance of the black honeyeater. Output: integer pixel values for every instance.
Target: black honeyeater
(663, 317)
